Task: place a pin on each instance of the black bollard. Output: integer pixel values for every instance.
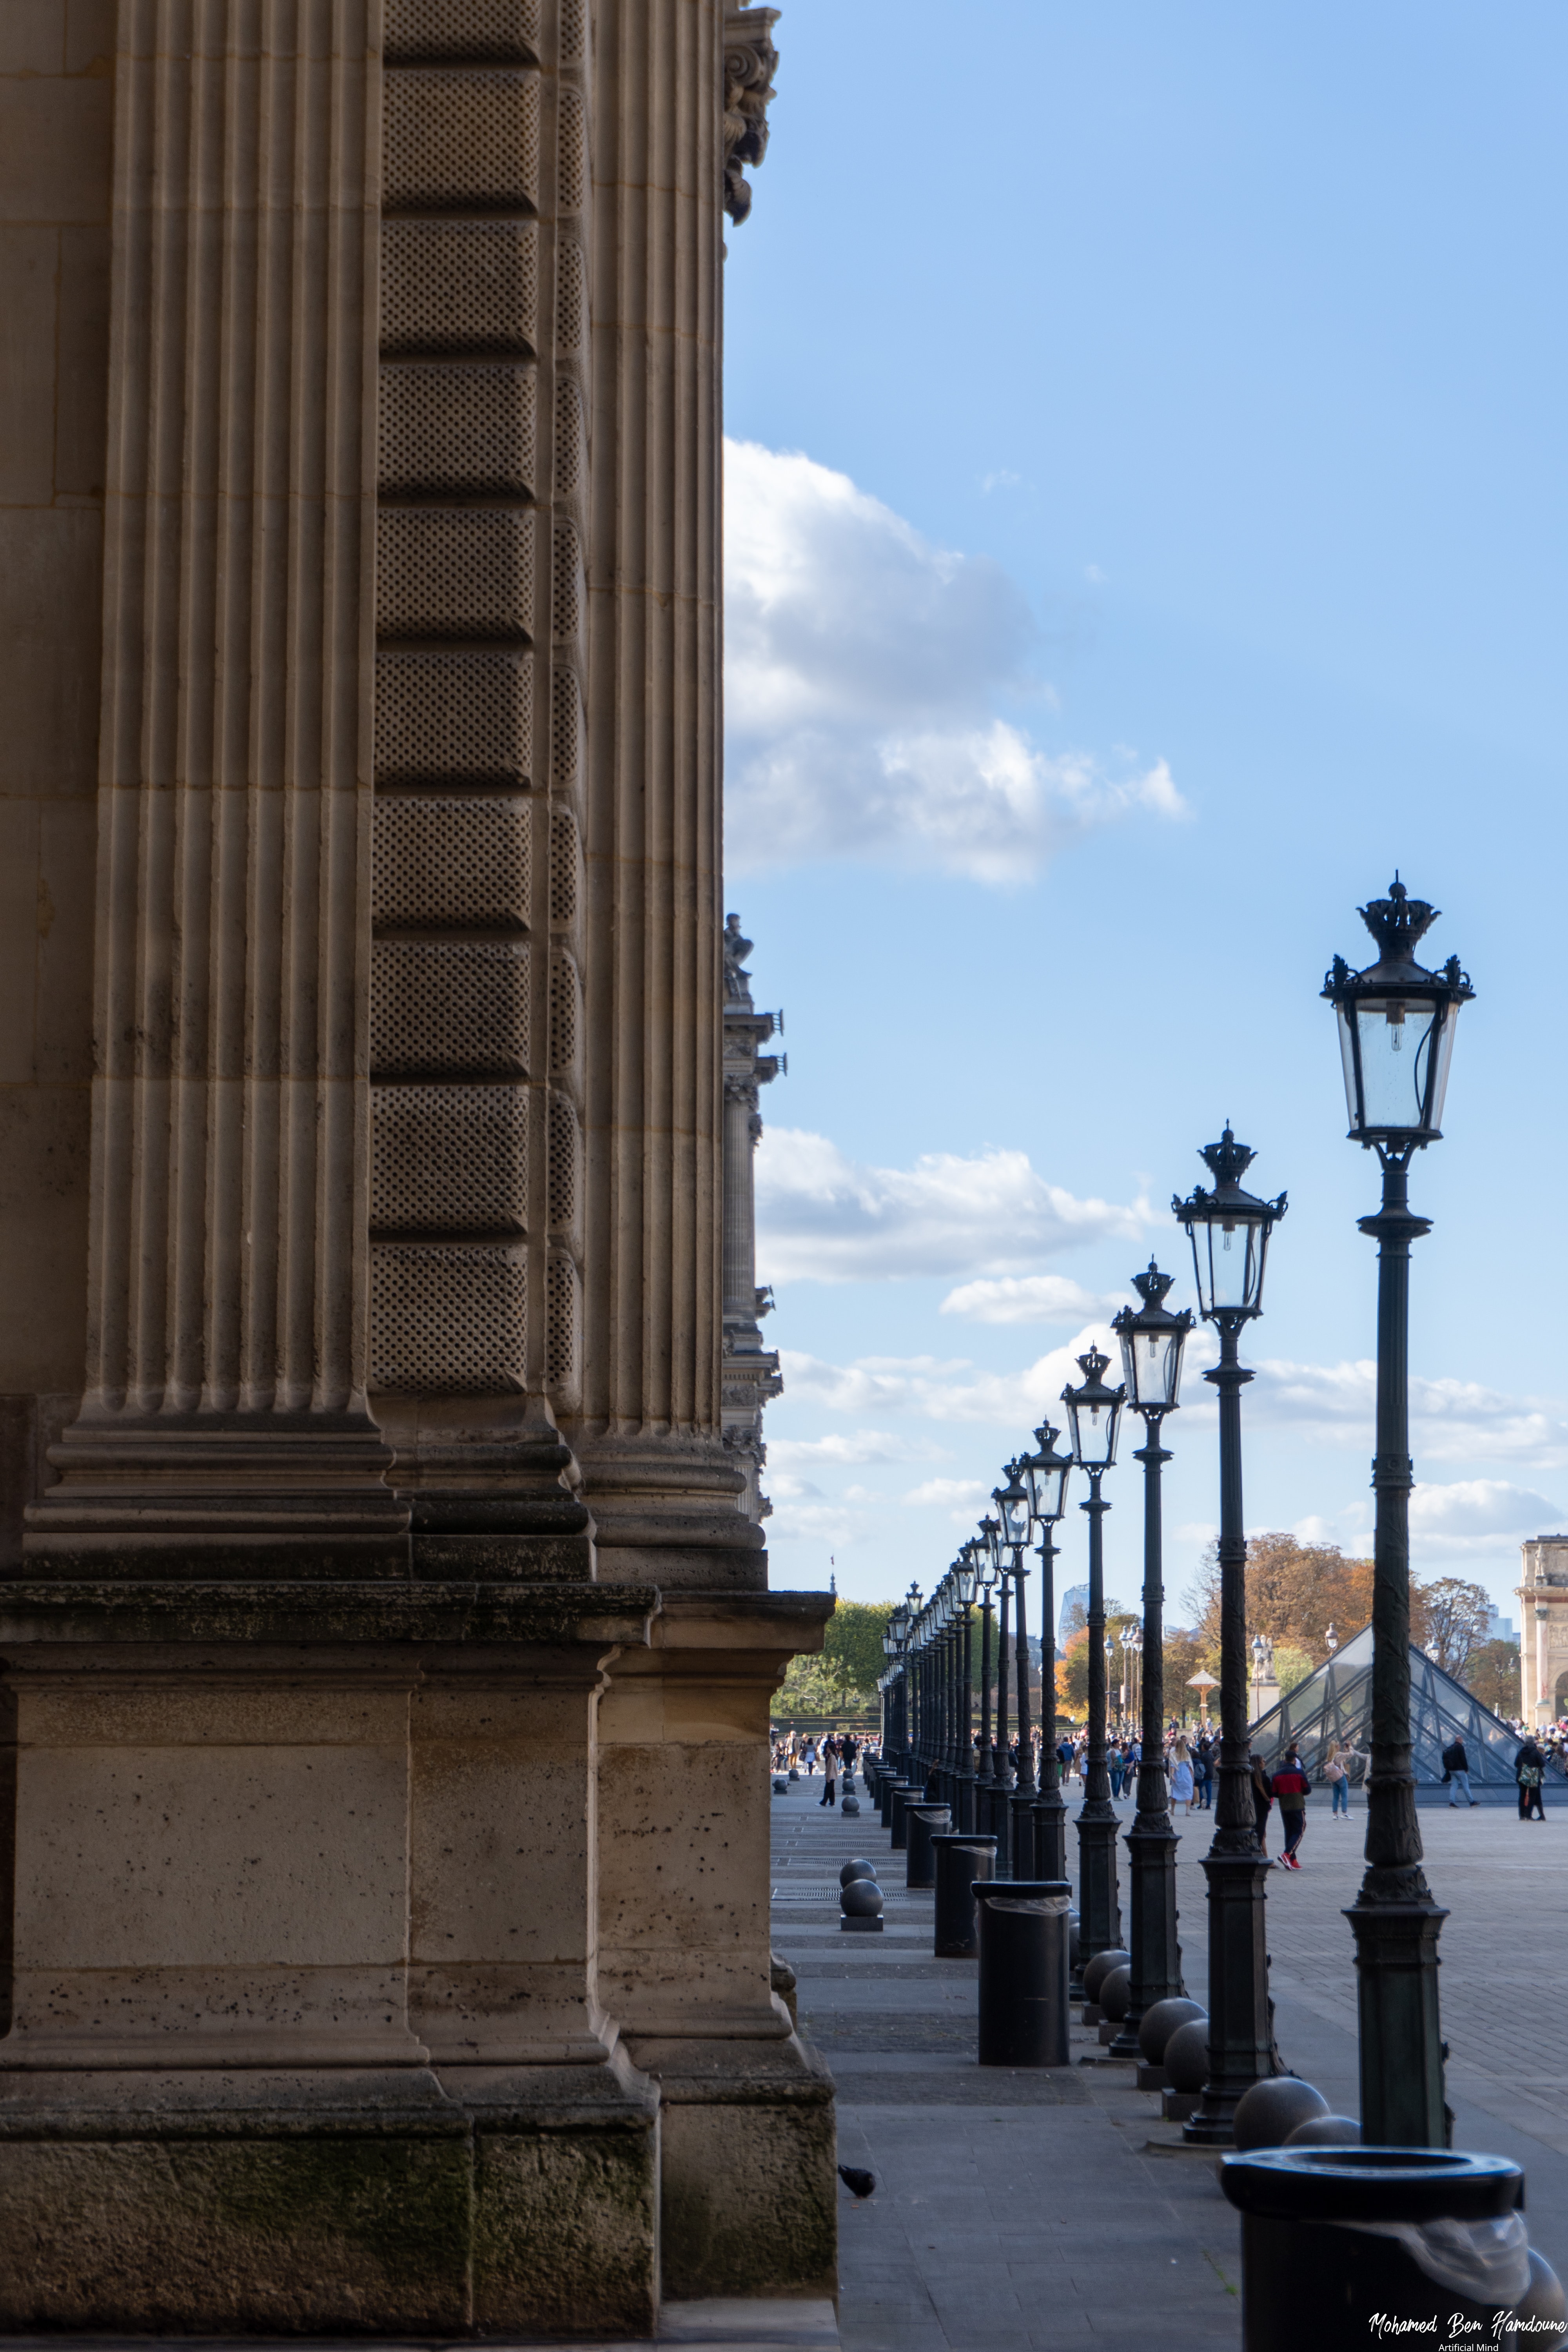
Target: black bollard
(1309, 2282)
(1024, 1971)
(905, 1794)
(922, 1822)
(962, 1857)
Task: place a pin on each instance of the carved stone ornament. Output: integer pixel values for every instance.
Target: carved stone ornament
(751, 62)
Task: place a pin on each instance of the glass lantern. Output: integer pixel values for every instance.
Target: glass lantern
(1229, 1230)
(1046, 1474)
(1397, 1028)
(1153, 1341)
(1094, 1414)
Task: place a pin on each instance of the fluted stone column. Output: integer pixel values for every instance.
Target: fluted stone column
(224, 1406)
(664, 1495)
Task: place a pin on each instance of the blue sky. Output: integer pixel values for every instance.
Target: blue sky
(1146, 526)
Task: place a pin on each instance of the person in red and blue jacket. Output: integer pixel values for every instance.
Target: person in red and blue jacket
(1291, 1789)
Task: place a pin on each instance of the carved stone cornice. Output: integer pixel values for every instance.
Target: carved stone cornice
(751, 62)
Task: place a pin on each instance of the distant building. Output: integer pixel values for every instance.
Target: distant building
(1075, 1597)
(1500, 1628)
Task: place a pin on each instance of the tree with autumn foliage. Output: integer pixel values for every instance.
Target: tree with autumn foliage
(1295, 1592)
(1491, 1674)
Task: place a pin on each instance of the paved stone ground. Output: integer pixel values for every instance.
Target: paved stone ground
(1029, 2211)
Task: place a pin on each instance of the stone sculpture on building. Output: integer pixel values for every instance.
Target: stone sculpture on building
(1544, 1629)
(387, 1646)
(751, 1370)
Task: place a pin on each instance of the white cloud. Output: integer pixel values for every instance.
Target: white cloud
(1477, 1515)
(853, 1448)
(1450, 1420)
(961, 1500)
(1002, 479)
(1029, 1299)
(863, 671)
(940, 1390)
(826, 1218)
(828, 1525)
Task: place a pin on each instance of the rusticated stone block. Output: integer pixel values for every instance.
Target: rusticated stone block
(235, 2235)
(565, 2235)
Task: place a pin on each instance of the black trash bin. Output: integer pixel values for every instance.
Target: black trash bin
(887, 1780)
(922, 1822)
(905, 1794)
(1023, 1972)
(1332, 2235)
(962, 1857)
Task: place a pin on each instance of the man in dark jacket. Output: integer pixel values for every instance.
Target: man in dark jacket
(1291, 1789)
(1456, 1772)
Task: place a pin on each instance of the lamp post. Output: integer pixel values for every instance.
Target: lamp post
(1046, 1474)
(985, 1778)
(1396, 1023)
(1012, 1503)
(1094, 1419)
(1002, 1770)
(1153, 1340)
(893, 1719)
(965, 1576)
(1229, 1230)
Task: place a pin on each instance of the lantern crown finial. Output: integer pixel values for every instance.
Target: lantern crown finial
(1398, 922)
(1227, 1160)
(1152, 1286)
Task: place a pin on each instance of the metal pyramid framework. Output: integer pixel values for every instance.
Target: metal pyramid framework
(1335, 1703)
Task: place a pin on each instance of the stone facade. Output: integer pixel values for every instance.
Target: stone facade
(388, 1653)
(751, 1370)
(1544, 1629)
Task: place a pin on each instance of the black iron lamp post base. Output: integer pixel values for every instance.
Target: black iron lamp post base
(1021, 1806)
(1241, 2026)
(1100, 1914)
(1397, 1999)
(1050, 1835)
(1151, 1845)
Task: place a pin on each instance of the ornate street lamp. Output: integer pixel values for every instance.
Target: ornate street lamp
(1002, 1769)
(965, 1580)
(1094, 1421)
(1013, 1506)
(1152, 1342)
(985, 1779)
(1229, 1230)
(1396, 1025)
(1046, 1474)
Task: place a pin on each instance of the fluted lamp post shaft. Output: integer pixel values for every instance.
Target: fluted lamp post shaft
(1396, 1023)
(1153, 1341)
(1229, 1230)
(1094, 1419)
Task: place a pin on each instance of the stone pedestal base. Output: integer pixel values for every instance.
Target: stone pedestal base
(521, 2202)
(749, 2190)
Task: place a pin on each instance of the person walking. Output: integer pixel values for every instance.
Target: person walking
(1337, 1774)
(1262, 1799)
(1456, 1772)
(1181, 1782)
(1529, 1768)
(1291, 1789)
(1113, 1766)
(829, 1774)
(1203, 1772)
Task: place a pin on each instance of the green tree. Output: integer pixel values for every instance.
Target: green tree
(1291, 1666)
(1492, 1673)
(852, 1650)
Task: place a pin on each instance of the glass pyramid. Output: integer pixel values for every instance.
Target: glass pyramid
(1335, 1703)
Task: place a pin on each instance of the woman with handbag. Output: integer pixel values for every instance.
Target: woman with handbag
(1529, 1767)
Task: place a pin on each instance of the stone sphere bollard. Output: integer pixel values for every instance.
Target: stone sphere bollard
(857, 1868)
(1187, 2059)
(1544, 2300)
(1116, 1994)
(861, 1903)
(849, 1805)
(1160, 2023)
(1325, 2131)
(1271, 2111)
(1099, 1968)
